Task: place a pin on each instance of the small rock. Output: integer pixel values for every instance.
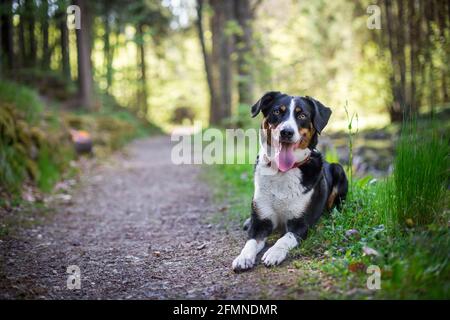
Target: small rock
(157, 253)
(291, 270)
(352, 233)
(370, 252)
(202, 246)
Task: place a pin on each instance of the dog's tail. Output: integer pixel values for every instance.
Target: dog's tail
(339, 186)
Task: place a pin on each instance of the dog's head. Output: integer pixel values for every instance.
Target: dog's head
(290, 123)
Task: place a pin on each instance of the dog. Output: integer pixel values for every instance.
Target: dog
(293, 185)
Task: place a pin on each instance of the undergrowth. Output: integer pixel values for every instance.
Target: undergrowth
(35, 143)
(399, 223)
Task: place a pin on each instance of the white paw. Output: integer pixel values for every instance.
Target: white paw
(243, 262)
(274, 256)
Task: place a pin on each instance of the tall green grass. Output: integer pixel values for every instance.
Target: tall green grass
(415, 195)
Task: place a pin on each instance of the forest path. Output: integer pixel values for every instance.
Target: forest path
(138, 227)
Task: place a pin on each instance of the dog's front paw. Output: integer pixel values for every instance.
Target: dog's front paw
(274, 256)
(243, 262)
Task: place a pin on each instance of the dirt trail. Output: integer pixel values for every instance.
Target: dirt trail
(121, 216)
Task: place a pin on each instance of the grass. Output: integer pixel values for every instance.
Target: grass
(421, 174)
(403, 219)
(24, 99)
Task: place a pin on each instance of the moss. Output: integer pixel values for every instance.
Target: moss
(35, 143)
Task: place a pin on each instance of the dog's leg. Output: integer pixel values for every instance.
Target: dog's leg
(258, 232)
(297, 230)
(246, 259)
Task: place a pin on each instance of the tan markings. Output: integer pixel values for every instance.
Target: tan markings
(306, 134)
(298, 109)
(283, 108)
(331, 198)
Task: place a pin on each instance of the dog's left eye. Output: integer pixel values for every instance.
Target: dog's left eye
(301, 116)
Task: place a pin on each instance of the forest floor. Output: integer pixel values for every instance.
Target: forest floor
(140, 227)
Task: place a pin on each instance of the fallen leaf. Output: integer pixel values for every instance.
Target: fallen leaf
(409, 222)
(356, 266)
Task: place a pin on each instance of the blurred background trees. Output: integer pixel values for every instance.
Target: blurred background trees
(216, 57)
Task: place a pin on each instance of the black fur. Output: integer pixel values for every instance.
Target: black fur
(327, 181)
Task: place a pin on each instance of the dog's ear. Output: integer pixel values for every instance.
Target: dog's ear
(265, 102)
(321, 114)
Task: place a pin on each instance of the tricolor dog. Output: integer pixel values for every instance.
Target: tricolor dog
(294, 186)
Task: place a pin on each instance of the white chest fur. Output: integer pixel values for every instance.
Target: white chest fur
(280, 196)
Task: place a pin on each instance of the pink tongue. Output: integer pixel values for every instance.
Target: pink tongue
(286, 158)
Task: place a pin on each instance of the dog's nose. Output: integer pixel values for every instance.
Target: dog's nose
(287, 133)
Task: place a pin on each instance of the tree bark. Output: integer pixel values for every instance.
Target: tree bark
(206, 58)
(413, 52)
(64, 43)
(7, 30)
(222, 48)
(395, 110)
(45, 40)
(107, 49)
(22, 42)
(142, 91)
(30, 20)
(85, 81)
(400, 33)
(244, 43)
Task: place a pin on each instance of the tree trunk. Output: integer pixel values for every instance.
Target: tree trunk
(206, 57)
(400, 33)
(85, 81)
(64, 43)
(142, 91)
(30, 9)
(443, 20)
(7, 30)
(244, 39)
(22, 42)
(412, 52)
(44, 29)
(222, 48)
(107, 49)
(395, 110)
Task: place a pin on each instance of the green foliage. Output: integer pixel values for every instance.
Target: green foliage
(12, 170)
(414, 263)
(32, 146)
(241, 118)
(35, 144)
(23, 98)
(233, 185)
(49, 83)
(421, 174)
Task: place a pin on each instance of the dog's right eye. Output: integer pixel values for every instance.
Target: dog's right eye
(276, 112)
